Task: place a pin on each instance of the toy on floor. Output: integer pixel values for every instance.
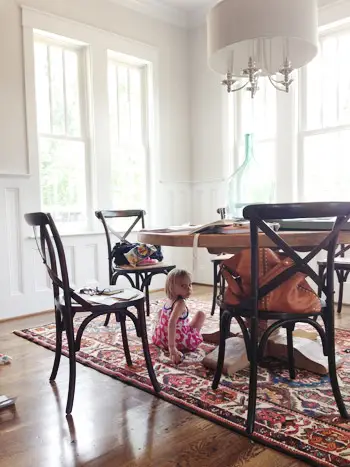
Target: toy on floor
(4, 359)
(6, 402)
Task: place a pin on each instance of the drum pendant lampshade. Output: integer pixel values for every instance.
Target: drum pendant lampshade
(268, 31)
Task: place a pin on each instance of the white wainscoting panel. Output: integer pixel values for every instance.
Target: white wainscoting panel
(91, 262)
(25, 285)
(14, 241)
(41, 278)
(71, 264)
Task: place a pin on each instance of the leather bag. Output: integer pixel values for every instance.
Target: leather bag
(292, 296)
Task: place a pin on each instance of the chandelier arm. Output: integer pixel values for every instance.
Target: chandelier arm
(274, 84)
(241, 87)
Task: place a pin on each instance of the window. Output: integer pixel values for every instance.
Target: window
(62, 129)
(128, 104)
(93, 93)
(325, 122)
(258, 117)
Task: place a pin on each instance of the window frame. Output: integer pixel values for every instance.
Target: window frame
(332, 29)
(98, 43)
(84, 114)
(146, 113)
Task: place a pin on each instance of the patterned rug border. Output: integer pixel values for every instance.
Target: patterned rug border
(176, 389)
(283, 443)
(192, 408)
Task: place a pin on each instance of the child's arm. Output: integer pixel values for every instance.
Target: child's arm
(179, 308)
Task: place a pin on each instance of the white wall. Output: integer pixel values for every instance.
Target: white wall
(209, 138)
(24, 288)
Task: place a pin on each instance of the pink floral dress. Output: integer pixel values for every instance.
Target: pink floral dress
(186, 337)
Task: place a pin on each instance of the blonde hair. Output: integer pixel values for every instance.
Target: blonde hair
(171, 280)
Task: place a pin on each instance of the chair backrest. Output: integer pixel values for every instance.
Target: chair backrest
(342, 250)
(222, 212)
(138, 215)
(259, 214)
(51, 250)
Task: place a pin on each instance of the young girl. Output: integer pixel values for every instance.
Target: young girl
(174, 331)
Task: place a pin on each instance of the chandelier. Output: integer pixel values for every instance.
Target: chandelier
(250, 39)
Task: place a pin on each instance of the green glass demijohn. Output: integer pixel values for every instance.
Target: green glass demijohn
(251, 183)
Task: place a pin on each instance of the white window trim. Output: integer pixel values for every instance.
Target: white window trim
(324, 31)
(147, 113)
(99, 43)
(84, 105)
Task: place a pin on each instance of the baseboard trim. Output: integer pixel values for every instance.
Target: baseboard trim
(30, 315)
(203, 284)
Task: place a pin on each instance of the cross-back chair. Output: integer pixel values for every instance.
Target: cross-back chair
(67, 303)
(218, 280)
(139, 277)
(247, 313)
(342, 270)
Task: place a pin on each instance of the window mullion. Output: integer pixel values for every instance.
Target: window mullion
(85, 127)
(118, 101)
(63, 58)
(101, 147)
(145, 114)
(322, 86)
(285, 146)
(50, 84)
(337, 83)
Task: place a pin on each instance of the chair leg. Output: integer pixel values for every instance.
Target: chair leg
(333, 369)
(222, 285)
(290, 349)
(147, 283)
(225, 323)
(72, 364)
(108, 317)
(137, 280)
(125, 338)
(321, 271)
(215, 289)
(58, 349)
(143, 331)
(254, 335)
(341, 292)
(114, 282)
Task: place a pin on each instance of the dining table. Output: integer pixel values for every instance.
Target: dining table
(308, 353)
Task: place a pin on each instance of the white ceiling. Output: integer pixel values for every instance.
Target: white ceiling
(184, 13)
(190, 5)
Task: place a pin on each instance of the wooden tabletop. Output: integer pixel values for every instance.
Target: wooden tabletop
(233, 242)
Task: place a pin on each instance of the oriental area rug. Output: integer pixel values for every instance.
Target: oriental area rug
(297, 417)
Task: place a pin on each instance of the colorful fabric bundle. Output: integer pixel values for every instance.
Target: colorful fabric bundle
(120, 250)
(139, 253)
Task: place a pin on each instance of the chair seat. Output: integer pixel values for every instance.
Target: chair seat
(147, 268)
(269, 315)
(220, 258)
(340, 263)
(96, 301)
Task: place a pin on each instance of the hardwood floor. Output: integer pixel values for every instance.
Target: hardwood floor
(112, 424)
